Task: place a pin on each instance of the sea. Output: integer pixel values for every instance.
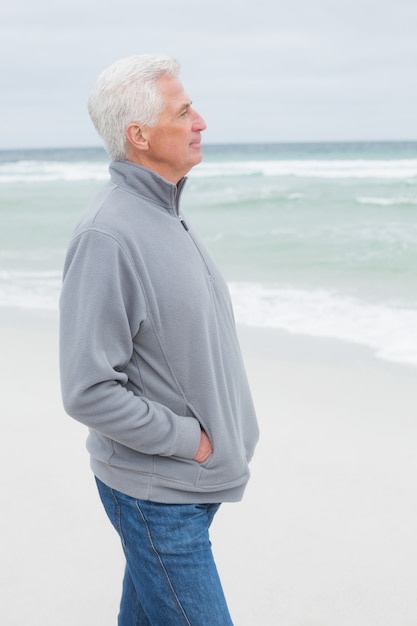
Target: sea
(315, 239)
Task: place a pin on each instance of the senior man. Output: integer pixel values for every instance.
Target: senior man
(149, 356)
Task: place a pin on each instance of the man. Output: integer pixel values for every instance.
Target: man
(149, 356)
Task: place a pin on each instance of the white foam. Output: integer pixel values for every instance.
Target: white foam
(387, 201)
(49, 171)
(37, 290)
(390, 330)
(388, 169)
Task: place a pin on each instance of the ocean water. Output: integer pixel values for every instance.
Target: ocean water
(318, 239)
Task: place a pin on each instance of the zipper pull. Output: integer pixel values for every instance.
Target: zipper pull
(183, 222)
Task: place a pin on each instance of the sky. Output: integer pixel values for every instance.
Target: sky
(259, 71)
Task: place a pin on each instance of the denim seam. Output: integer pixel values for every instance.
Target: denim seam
(118, 518)
(162, 566)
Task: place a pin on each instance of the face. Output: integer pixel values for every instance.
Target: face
(173, 146)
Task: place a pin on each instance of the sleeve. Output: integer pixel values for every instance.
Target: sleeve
(102, 306)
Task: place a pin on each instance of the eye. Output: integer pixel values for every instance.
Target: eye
(185, 111)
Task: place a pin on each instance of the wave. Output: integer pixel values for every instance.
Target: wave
(402, 169)
(33, 171)
(51, 171)
(30, 290)
(386, 201)
(389, 330)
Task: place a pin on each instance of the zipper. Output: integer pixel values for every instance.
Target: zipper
(185, 226)
(183, 222)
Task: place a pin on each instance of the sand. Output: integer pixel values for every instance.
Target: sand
(324, 537)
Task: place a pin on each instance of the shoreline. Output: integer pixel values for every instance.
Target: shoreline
(282, 344)
(263, 342)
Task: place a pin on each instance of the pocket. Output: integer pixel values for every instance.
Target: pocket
(203, 424)
(223, 472)
(177, 470)
(111, 505)
(227, 465)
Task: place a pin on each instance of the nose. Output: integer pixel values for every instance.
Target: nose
(198, 122)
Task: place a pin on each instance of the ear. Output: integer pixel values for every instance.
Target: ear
(136, 136)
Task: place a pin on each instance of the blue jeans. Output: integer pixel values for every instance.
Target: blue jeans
(170, 578)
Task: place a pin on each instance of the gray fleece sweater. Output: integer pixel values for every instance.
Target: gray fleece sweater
(148, 348)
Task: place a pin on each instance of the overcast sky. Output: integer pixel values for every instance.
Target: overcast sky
(265, 70)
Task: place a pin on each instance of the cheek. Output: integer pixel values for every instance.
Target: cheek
(178, 142)
(171, 141)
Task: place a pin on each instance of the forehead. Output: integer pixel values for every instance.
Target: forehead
(173, 93)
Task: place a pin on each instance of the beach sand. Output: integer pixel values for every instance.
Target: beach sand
(325, 535)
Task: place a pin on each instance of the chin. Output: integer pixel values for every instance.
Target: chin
(198, 157)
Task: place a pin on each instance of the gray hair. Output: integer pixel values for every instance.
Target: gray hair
(127, 92)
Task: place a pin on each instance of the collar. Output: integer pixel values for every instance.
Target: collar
(147, 183)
